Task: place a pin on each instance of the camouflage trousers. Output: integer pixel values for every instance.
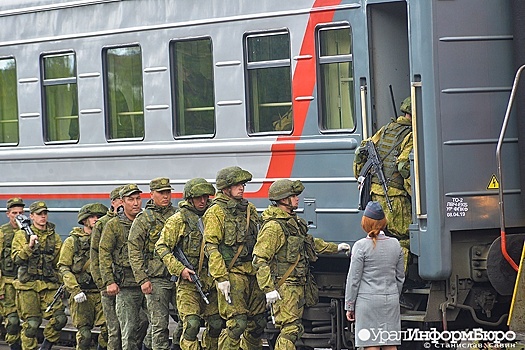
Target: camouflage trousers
(158, 307)
(85, 316)
(10, 313)
(130, 304)
(31, 307)
(288, 313)
(112, 323)
(191, 309)
(246, 315)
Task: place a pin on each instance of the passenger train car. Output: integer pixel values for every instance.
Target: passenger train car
(99, 93)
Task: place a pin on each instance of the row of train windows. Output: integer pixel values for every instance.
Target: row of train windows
(268, 81)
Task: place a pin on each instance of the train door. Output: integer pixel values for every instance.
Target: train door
(389, 59)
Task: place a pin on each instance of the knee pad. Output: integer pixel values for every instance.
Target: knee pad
(260, 323)
(192, 325)
(32, 326)
(13, 324)
(215, 325)
(237, 325)
(60, 320)
(84, 339)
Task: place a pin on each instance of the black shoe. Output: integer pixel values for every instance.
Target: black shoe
(46, 345)
(175, 347)
(404, 303)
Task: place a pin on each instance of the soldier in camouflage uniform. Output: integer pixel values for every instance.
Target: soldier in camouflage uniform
(38, 279)
(116, 272)
(148, 268)
(184, 230)
(74, 266)
(108, 302)
(15, 206)
(231, 225)
(392, 141)
(281, 257)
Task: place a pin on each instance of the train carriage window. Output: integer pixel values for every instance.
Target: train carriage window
(336, 77)
(193, 85)
(269, 82)
(8, 102)
(60, 97)
(124, 92)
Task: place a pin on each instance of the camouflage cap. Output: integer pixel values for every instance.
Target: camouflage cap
(160, 184)
(128, 190)
(115, 193)
(15, 202)
(38, 207)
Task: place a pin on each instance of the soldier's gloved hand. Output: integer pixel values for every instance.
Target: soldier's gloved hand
(272, 297)
(80, 297)
(343, 246)
(224, 288)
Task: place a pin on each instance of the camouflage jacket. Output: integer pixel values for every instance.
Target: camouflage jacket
(74, 263)
(225, 232)
(96, 233)
(282, 242)
(37, 266)
(144, 233)
(113, 253)
(182, 230)
(390, 165)
(7, 266)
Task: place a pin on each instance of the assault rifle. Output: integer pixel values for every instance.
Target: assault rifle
(373, 166)
(58, 295)
(179, 254)
(24, 223)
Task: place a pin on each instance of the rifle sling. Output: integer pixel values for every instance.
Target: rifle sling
(201, 257)
(239, 250)
(288, 272)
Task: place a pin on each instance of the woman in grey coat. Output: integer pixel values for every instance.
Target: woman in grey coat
(374, 284)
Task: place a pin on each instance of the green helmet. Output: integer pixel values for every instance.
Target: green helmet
(88, 210)
(198, 187)
(285, 188)
(406, 106)
(231, 176)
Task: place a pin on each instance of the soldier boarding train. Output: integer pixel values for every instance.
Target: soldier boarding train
(100, 93)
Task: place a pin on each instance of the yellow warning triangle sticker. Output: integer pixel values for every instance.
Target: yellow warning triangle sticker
(493, 183)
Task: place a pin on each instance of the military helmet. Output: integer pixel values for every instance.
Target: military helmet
(198, 187)
(231, 176)
(88, 210)
(406, 105)
(285, 188)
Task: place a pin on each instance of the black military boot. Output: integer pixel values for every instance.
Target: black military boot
(100, 347)
(46, 345)
(144, 347)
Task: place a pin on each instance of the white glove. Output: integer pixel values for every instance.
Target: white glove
(343, 246)
(272, 297)
(224, 287)
(80, 297)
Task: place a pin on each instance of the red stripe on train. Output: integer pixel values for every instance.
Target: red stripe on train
(302, 85)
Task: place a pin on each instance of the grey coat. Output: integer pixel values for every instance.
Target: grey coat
(378, 271)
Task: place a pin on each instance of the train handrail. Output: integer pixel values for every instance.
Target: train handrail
(413, 86)
(500, 174)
